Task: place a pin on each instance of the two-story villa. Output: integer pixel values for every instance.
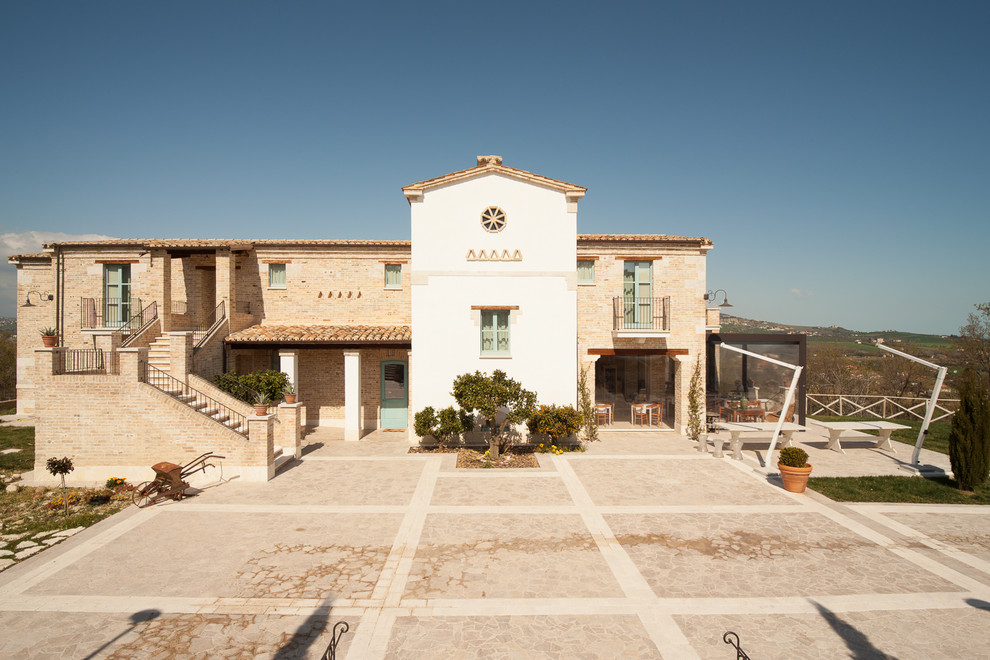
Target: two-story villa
(495, 277)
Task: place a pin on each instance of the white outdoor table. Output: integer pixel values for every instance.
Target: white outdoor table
(885, 429)
(736, 429)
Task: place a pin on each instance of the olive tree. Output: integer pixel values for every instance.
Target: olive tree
(502, 401)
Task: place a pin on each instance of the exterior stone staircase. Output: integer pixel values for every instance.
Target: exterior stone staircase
(159, 354)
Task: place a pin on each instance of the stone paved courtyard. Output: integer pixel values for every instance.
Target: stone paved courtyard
(639, 548)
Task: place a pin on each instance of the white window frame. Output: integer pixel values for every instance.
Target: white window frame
(396, 285)
(497, 334)
(585, 261)
(272, 270)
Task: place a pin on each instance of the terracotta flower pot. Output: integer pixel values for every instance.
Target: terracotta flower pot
(795, 479)
(290, 399)
(261, 409)
(49, 341)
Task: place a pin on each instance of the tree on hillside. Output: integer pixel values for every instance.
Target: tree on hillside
(502, 401)
(8, 366)
(831, 372)
(974, 342)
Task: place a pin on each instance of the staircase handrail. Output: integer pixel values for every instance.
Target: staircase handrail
(144, 319)
(206, 329)
(168, 384)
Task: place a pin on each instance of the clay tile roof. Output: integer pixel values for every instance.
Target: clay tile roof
(642, 238)
(492, 165)
(14, 258)
(223, 243)
(323, 334)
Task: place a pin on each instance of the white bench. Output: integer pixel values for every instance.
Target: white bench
(736, 429)
(885, 429)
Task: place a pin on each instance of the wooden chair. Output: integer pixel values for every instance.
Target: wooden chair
(658, 409)
(641, 413)
(773, 417)
(604, 413)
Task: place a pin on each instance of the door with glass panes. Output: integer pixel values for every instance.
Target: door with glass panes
(395, 394)
(637, 294)
(116, 294)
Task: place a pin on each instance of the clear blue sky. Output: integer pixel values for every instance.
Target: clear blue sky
(837, 153)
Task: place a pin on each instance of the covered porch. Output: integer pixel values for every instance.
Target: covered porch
(354, 378)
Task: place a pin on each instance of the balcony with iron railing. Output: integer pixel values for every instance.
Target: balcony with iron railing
(107, 313)
(641, 317)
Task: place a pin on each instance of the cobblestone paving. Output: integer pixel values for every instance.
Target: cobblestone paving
(508, 556)
(878, 635)
(654, 482)
(511, 637)
(795, 554)
(639, 548)
(501, 491)
(967, 532)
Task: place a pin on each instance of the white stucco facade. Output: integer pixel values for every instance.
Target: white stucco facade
(459, 270)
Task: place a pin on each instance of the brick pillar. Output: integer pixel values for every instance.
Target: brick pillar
(163, 284)
(180, 350)
(288, 363)
(226, 287)
(262, 441)
(132, 363)
(290, 428)
(352, 395)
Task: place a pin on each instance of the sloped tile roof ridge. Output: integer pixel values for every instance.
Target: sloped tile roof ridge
(20, 257)
(493, 167)
(224, 242)
(322, 333)
(664, 238)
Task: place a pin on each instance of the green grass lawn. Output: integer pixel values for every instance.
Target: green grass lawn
(936, 440)
(19, 437)
(921, 490)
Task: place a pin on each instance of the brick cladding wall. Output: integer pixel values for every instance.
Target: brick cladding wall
(106, 421)
(31, 276)
(331, 287)
(680, 274)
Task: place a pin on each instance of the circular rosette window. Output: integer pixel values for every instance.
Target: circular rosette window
(493, 219)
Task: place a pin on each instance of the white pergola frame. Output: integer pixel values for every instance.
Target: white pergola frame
(787, 399)
(932, 401)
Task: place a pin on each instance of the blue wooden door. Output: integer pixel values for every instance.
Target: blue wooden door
(395, 394)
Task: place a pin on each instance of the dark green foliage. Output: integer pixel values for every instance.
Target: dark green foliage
(969, 438)
(444, 426)
(556, 422)
(589, 416)
(793, 457)
(60, 467)
(501, 400)
(696, 405)
(247, 387)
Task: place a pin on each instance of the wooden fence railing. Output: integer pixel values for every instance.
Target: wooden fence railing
(881, 407)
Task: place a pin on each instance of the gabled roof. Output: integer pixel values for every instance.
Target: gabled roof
(493, 165)
(322, 334)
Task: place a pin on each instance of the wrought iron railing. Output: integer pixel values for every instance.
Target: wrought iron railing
(138, 323)
(99, 313)
(205, 329)
(220, 413)
(86, 361)
(179, 307)
(879, 406)
(641, 314)
(339, 629)
(732, 639)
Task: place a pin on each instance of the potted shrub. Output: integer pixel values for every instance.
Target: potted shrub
(49, 337)
(261, 400)
(794, 469)
(290, 393)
